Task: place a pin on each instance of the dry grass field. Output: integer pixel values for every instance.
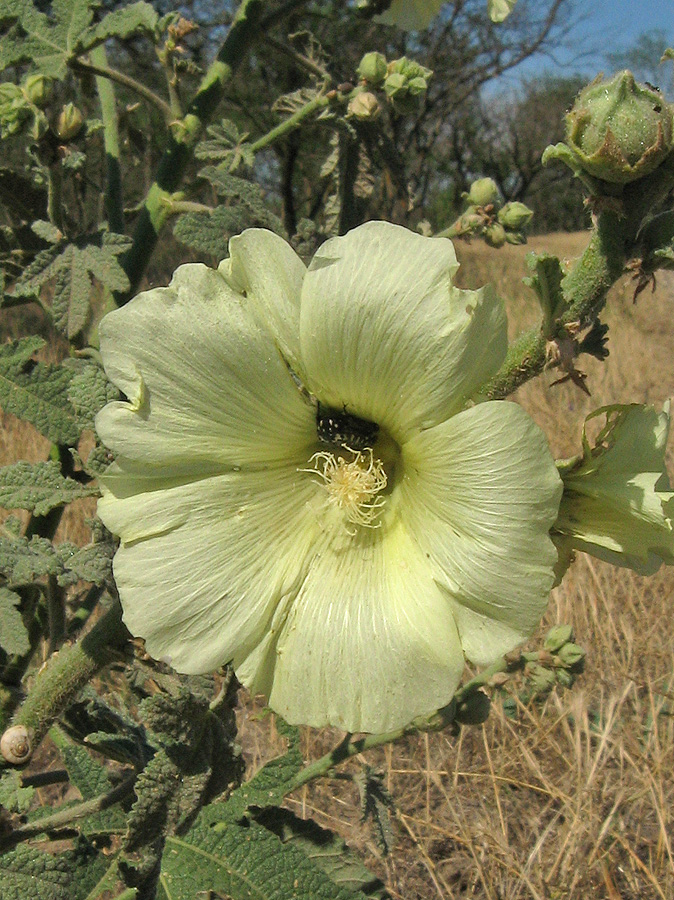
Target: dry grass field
(568, 799)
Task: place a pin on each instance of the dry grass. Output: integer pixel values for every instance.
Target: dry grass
(565, 801)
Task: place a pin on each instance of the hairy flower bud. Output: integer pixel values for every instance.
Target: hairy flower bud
(483, 192)
(515, 216)
(373, 68)
(620, 130)
(37, 89)
(363, 105)
(495, 235)
(69, 123)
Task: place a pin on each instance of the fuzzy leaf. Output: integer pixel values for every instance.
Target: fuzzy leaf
(242, 861)
(92, 563)
(89, 391)
(71, 269)
(27, 873)
(47, 42)
(324, 848)
(23, 560)
(208, 232)
(376, 804)
(36, 392)
(136, 18)
(38, 487)
(225, 145)
(14, 798)
(546, 281)
(13, 633)
(269, 786)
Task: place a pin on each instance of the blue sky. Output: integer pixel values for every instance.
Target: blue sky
(607, 25)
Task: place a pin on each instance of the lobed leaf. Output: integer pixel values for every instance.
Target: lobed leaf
(46, 42)
(71, 268)
(36, 392)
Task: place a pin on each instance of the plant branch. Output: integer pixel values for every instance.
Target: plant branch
(114, 202)
(103, 71)
(67, 672)
(291, 123)
(64, 817)
(247, 27)
(585, 287)
(349, 747)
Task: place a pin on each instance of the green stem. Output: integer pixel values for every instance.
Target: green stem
(612, 243)
(55, 195)
(114, 202)
(291, 123)
(247, 27)
(103, 71)
(67, 672)
(64, 817)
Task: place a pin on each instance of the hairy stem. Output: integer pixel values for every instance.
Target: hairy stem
(66, 673)
(247, 26)
(349, 747)
(103, 71)
(114, 202)
(291, 123)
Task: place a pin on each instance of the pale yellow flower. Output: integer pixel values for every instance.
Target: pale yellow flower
(303, 488)
(617, 503)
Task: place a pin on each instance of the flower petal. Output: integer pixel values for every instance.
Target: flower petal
(206, 384)
(480, 493)
(385, 334)
(370, 642)
(617, 503)
(266, 269)
(204, 564)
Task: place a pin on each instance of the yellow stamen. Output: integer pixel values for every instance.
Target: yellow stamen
(352, 485)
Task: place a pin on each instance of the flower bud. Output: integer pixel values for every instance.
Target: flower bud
(495, 235)
(373, 68)
(363, 105)
(514, 216)
(37, 89)
(571, 655)
(620, 130)
(483, 192)
(69, 123)
(557, 637)
(542, 680)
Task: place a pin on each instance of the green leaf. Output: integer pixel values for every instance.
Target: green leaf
(13, 633)
(546, 281)
(89, 391)
(36, 392)
(242, 861)
(50, 42)
(46, 42)
(23, 560)
(208, 232)
(136, 18)
(71, 269)
(225, 145)
(27, 873)
(92, 563)
(376, 804)
(269, 786)
(91, 780)
(14, 797)
(324, 848)
(39, 487)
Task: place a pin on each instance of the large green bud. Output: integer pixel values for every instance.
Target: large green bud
(373, 68)
(619, 130)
